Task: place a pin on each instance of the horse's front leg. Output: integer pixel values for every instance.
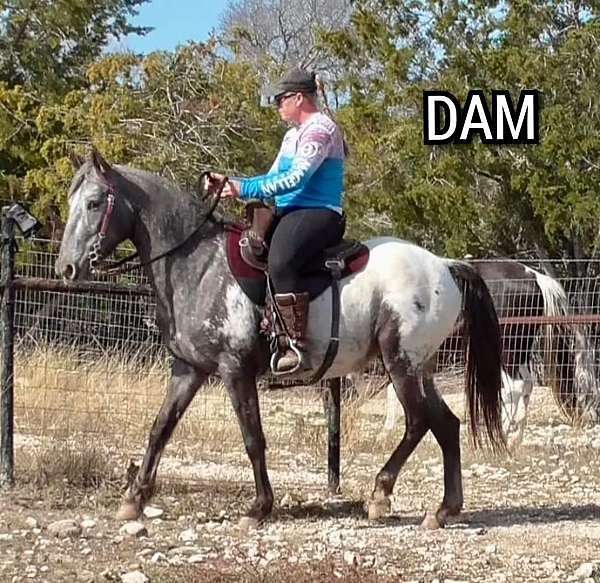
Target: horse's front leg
(183, 385)
(244, 397)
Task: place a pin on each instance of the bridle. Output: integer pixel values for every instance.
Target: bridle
(95, 255)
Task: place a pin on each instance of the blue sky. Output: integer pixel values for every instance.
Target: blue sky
(175, 22)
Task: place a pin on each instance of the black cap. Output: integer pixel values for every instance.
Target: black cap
(295, 80)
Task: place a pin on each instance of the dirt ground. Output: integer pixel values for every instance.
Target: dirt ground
(534, 516)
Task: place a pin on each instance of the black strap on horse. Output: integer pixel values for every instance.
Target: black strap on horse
(118, 268)
(335, 266)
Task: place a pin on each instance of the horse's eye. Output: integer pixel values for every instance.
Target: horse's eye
(92, 205)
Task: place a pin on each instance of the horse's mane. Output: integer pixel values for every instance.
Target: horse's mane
(204, 202)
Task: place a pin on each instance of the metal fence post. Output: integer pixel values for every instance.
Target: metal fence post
(7, 312)
(332, 408)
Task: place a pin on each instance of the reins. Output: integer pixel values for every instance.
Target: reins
(118, 268)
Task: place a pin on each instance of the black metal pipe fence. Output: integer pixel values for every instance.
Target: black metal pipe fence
(7, 375)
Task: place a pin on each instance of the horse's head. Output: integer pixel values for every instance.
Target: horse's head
(99, 217)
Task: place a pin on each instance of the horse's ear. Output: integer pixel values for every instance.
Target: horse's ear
(99, 163)
(76, 160)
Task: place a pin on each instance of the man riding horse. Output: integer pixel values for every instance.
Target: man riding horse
(305, 186)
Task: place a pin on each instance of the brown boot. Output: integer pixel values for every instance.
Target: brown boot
(294, 311)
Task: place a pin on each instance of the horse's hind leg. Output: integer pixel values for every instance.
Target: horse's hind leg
(183, 385)
(445, 426)
(244, 397)
(410, 395)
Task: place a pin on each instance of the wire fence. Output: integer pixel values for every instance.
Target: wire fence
(521, 316)
(91, 368)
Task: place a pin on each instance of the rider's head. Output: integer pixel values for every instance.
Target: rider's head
(295, 95)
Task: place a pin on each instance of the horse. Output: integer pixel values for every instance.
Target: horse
(521, 291)
(400, 306)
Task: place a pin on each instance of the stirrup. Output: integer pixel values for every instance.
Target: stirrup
(293, 370)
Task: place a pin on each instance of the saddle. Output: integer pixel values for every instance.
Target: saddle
(253, 242)
(247, 252)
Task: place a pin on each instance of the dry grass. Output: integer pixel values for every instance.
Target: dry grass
(92, 413)
(538, 505)
(60, 391)
(101, 406)
(356, 423)
(314, 572)
(67, 463)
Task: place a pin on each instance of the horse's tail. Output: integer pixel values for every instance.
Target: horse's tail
(556, 303)
(482, 346)
(568, 368)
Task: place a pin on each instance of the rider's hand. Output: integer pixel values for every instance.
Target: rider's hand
(231, 189)
(214, 182)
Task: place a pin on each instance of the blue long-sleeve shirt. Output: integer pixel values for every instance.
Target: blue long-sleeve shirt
(308, 171)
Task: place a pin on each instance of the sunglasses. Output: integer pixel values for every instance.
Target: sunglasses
(279, 99)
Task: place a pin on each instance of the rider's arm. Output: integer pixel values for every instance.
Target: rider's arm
(312, 149)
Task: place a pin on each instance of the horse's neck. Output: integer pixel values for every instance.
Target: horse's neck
(164, 219)
(161, 224)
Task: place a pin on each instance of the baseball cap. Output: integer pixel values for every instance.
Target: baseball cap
(295, 80)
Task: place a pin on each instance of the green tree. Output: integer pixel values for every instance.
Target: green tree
(45, 49)
(174, 113)
(47, 45)
(474, 198)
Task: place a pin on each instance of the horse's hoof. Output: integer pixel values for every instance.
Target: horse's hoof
(431, 522)
(129, 510)
(379, 508)
(248, 524)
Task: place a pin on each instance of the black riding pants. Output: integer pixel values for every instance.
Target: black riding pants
(299, 237)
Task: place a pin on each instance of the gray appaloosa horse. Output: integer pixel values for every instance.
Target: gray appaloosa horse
(401, 305)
